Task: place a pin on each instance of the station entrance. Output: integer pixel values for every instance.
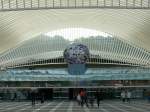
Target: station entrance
(64, 93)
(69, 90)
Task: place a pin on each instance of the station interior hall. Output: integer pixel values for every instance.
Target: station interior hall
(74, 55)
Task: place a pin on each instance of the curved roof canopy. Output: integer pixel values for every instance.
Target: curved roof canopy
(44, 47)
(129, 24)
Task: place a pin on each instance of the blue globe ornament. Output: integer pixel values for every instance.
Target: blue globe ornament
(76, 54)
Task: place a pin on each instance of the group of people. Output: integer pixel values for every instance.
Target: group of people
(34, 96)
(84, 99)
(126, 96)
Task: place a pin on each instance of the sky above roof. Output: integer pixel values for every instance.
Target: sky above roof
(75, 33)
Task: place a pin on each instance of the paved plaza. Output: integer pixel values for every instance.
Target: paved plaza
(71, 106)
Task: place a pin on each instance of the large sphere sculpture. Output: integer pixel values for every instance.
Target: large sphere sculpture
(76, 54)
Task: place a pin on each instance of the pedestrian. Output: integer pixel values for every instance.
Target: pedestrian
(128, 96)
(15, 96)
(98, 98)
(91, 99)
(149, 97)
(82, 94)
(42, 97)
(86, 99)
(123, 96)
(33, 97)
(79, 99)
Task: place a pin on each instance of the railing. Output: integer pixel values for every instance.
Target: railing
(14, 5)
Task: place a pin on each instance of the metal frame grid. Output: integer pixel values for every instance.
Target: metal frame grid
(112, 49)
(14, 5)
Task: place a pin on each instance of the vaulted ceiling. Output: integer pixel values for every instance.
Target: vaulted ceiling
(18, 22)
(132, 25)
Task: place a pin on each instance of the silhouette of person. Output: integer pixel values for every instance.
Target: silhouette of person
(98, 97)
(33, 97)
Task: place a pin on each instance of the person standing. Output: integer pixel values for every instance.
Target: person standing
(86, 99)
(98, 97)
(128, 96)
(42, 97)
(91, 99)
(123, 96)
(15, 96)
(33, 97)
(79, 99)
(82, 94)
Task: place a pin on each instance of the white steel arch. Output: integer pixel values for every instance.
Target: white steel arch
(42, 48)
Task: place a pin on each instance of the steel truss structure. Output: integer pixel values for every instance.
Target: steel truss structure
(16, 5)
(48, 50)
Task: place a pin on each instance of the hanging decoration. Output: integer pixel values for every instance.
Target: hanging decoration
(76, 55)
